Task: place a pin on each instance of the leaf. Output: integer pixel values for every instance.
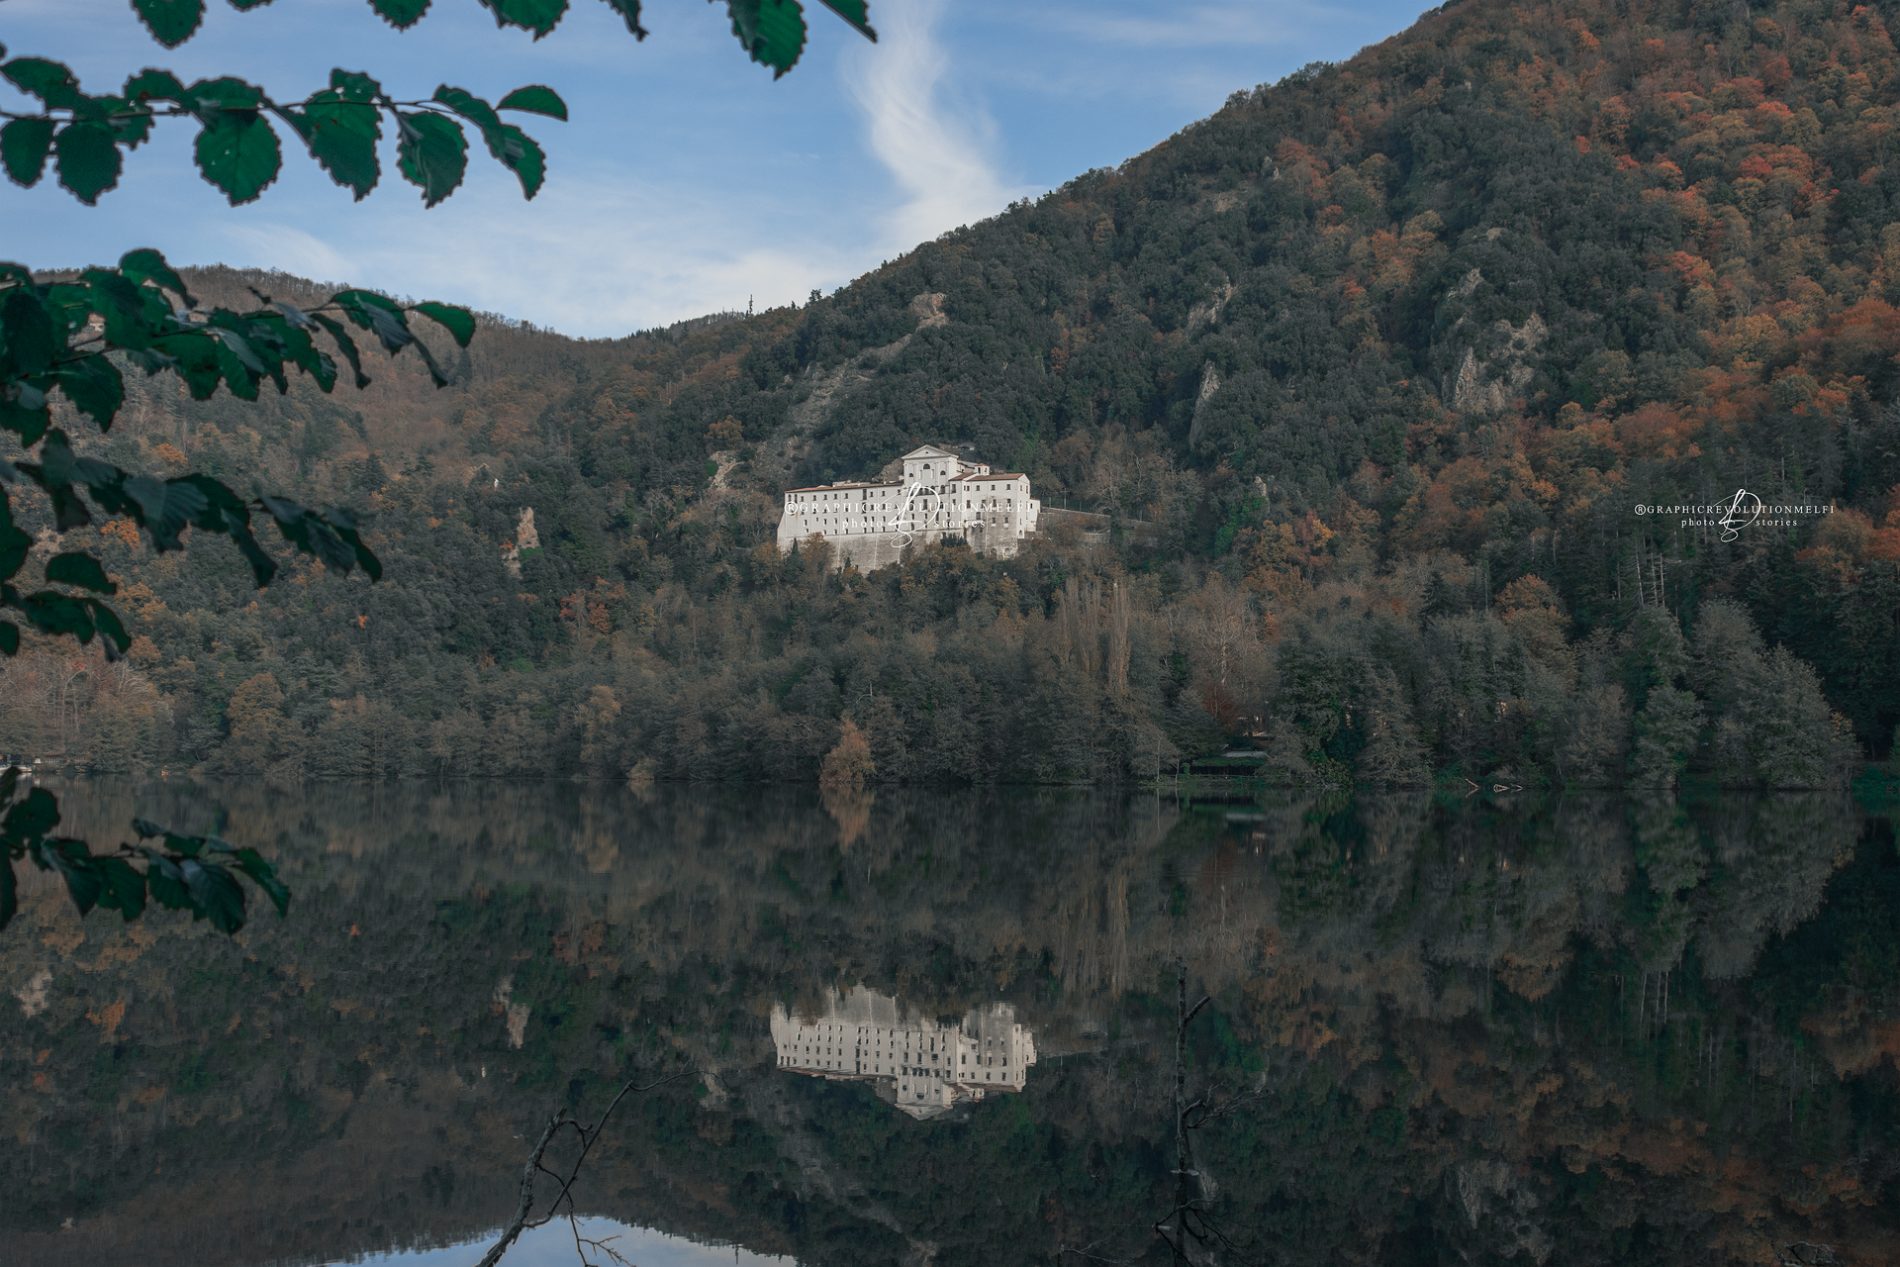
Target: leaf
(215, 894)
(341, 133)
(165, 880)
(459, 322)
(55, 473)
(365, 557)
(238, 376)
(131, 129)
(14, 546)
(772, 31)
(74, 865)
(342, 139)
(96, 388)
(123, 887)
(434, 366)
(164, 507)
(24, 145)
(539, 16)
(58, 614)
(379, 314)
(30, 341)
(33, 817)
(330, 536)
(155, 85)
(856, 12)
(629, 11)
(517, 151)
(432, 154)
(23, 411)
(535, 99)
(226, 513)
(468, 105)
(146, 265)
(50, 81)
(241, 348)
(131, 311)
(400, 13)
(301, 349)
(77, 568)
(185, 846)
(88, 159)
(171, 22)
(208, 98)
(195, 359)
(264, 876)
(238, 152)
(111, 628)
(346, 345)
(354, 85)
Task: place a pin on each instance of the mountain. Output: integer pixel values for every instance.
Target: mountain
(1383, 372)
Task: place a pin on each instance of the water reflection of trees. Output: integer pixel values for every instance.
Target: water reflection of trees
(1486, 1027)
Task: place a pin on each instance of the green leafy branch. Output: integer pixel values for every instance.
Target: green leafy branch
(70, 336)
(772, 31)
(73, 337)
(84, 138)
(181, 873)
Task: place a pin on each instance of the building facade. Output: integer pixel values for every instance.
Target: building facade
(939, 497)
(923, 1067)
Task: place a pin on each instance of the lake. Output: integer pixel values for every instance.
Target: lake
(940, 1028)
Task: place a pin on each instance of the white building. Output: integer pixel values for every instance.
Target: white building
(921, 1066)
(939, 497)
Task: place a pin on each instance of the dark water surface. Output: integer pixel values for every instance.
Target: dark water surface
(941, 1028)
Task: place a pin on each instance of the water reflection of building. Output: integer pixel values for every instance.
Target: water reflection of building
(922, 1066)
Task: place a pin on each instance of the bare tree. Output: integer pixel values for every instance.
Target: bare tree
(562, 1206)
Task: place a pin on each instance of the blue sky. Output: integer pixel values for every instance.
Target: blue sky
(687, 180)
(553, 1246)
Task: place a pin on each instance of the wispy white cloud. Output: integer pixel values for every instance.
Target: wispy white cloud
(601, 254)
(290, 249)
(937, 152)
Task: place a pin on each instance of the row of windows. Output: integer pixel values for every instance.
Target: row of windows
(835, 1052)
(879, 494)
(969, 503)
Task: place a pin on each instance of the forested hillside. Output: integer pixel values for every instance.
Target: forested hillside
(1373, 367)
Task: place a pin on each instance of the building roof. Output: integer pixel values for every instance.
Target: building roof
(927, 451)
(839, 488)
(995, 475)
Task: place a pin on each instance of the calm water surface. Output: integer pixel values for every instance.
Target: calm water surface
(942, 1029)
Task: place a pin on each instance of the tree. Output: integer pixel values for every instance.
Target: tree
(849, 764)
(598, 713)
(262, 738)
(65, 343)
(1666, 732)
